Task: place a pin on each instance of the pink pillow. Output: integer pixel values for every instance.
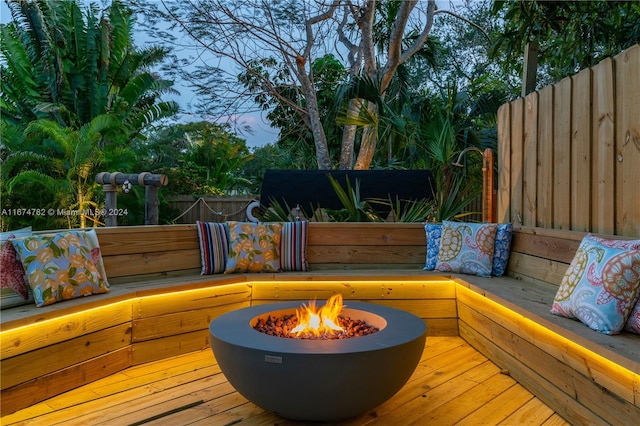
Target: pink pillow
(12, 272)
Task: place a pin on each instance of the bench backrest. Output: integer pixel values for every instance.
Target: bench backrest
(538, 254)
(542, 254)
(174, 249)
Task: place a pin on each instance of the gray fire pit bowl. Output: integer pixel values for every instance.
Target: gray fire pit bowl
(318, 380)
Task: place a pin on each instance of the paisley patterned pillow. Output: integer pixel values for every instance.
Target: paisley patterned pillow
(602, 284)
(434, 232)
(502, 248)
(253, 247)
(467, 248)
(62, 266)
(633, 323)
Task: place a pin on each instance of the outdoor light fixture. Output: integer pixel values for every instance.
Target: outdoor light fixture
(487, 180)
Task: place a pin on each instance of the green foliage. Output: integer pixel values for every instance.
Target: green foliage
(572, 35)
(76, 92)
(355, 208)
(199, 158)
(295, 135)
(276, 212)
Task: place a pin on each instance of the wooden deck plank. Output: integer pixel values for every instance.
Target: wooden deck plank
(534, 412)
(499, 408)
(452, 383)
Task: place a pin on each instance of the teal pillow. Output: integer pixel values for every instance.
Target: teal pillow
(602, 284)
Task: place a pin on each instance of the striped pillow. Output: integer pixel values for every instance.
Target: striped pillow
(293, 246)
(214, 246)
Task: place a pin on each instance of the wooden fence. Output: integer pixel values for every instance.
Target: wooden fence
(209, 209)
(569, 154)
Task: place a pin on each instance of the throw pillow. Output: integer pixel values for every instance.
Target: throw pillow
(91, 239)
(13, 286)
(502, 248)
(214, 246)
(633, 323)
(433, 232)
(11, 271)
(18, 233)
(467, 248)
(60, 266)
(293, 246)
(602, 284)
(253, 247)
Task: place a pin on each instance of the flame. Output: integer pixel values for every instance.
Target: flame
(319, 321)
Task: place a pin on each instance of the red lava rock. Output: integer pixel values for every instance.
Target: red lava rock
(281, 327)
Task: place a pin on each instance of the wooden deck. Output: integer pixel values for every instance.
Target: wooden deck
(453, 384)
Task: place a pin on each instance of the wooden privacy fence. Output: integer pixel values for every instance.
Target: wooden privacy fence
(209, 209)
(569, 154)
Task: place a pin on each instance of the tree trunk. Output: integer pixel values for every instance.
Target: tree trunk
(349, 137)
(315, 122)
(369, 141)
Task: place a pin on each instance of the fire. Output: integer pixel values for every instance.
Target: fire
(319, 321)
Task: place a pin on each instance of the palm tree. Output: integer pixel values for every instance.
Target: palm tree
(67, 176)
(73, 79)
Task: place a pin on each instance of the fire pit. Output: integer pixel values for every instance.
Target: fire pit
(318, 379)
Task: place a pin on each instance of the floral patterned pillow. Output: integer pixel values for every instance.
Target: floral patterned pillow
(602, 284)
(467, 248)
(253, 247)
(62, 266)
(433, 232)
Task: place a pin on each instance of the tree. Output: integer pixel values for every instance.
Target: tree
(287, 37)
(68, 66)
(199, 158)
(68, 175)
(572, 35)
(329, 74)
(74, 93)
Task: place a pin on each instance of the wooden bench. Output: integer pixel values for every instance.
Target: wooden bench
(160, 306)
(585, 376)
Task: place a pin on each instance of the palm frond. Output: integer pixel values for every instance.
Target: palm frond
(34, 177)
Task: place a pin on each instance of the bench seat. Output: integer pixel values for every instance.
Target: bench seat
(587, 377)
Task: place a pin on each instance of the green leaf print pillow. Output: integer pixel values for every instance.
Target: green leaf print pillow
(62, 266)
(254, 247)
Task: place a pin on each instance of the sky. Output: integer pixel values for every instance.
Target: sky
(261, 132)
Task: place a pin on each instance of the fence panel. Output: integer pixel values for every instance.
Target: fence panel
(544, 188)
(627, 144)
(209, 209)
(569, 155)
(561, 154)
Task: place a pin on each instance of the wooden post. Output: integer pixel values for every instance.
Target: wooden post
(530, 69)
(110, 204)
(151, 205)
(488, 205)
(151, 182)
